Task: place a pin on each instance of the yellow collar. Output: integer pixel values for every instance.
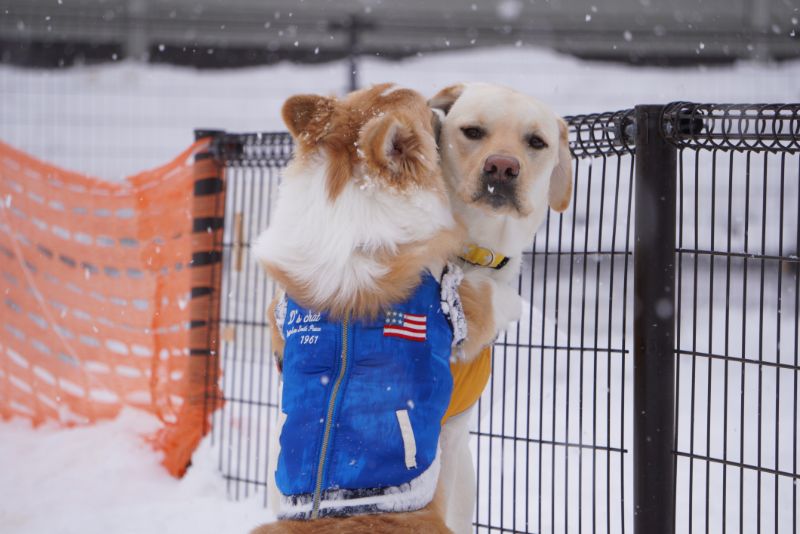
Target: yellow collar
(483, 257)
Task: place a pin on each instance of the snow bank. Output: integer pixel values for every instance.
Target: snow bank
(117, 119)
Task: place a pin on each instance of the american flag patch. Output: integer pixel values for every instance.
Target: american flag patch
(405, 325)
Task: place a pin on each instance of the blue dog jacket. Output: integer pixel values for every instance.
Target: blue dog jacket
(362, 405)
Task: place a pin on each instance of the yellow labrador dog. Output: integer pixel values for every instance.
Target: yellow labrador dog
(505, 157)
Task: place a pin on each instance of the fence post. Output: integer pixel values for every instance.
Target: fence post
(201, 395)
(208, 224)
(654, 327)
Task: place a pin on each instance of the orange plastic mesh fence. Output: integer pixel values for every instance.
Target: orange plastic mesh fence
(109, 294)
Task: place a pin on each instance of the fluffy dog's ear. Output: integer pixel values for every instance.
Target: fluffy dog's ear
(306, 115)
(396, 150)
(445, 98)
(560, 192)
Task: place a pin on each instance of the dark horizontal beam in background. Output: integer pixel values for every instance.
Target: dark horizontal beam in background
(242, 32)
(57, 54)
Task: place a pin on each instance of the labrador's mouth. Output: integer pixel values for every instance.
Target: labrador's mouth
(498, 194)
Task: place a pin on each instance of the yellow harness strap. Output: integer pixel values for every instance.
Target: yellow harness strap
(483, 257)
(469, 380)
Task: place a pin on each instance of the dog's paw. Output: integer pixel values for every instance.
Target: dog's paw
(506, 305)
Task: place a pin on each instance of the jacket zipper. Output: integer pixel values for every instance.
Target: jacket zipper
(329, 421)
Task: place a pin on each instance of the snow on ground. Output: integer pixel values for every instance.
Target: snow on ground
(106, 479)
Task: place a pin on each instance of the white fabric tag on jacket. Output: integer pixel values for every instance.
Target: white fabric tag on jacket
(409, 443)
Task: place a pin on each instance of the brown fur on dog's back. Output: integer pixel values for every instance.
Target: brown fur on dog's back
(424, 521)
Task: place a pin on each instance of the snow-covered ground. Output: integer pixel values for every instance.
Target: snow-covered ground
(106, 479)
(115, 120)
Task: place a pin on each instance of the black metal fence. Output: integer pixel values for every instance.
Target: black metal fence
(736, 341)
(626, 399)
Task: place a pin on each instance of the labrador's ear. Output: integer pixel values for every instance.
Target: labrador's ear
(437, 118)
(560, 192)
(444, 99)
(306, 115)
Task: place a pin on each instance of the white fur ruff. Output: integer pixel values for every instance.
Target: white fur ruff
(330, 247)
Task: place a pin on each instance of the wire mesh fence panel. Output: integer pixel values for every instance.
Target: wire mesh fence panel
(737, 328)
(241, 430)
(549, 432)
(552, 428)
(553, 433)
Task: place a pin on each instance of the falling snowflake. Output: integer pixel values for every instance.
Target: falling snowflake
(509, 9)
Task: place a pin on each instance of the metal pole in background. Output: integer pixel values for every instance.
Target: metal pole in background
(654, 327)
(137, 45)
(353, 29)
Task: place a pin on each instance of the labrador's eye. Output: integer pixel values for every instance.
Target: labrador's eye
(473, 132)
(536, 142)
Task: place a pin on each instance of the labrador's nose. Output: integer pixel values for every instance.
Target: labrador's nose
(501, 167)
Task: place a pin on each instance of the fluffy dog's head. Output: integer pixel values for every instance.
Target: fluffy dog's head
(363, 209)
(503, 152)
(380, 136)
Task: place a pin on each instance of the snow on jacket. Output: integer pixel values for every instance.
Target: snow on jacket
(362, 404)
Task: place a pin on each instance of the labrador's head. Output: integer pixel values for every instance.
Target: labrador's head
(503, 151)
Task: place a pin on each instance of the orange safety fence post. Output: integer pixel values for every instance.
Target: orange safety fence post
(201, 395)
(99, 286)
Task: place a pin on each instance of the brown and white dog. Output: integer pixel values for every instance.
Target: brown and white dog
(363, 210)
(505, 157)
